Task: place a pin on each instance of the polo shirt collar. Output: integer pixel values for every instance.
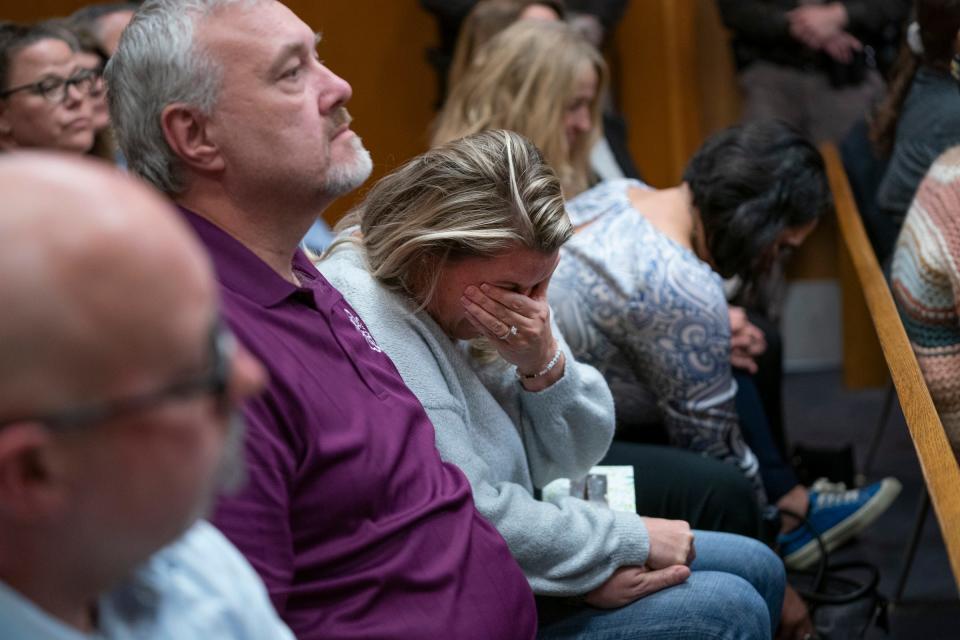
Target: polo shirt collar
(242, 271)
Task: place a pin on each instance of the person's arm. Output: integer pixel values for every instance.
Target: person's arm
(682, 353)
(873, 16)
(572, 548)
(564, 550)
(566, 428)
(755, 19)
(565, 416)
(926, 286)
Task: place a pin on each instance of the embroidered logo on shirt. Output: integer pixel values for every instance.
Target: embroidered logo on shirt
(363, 331)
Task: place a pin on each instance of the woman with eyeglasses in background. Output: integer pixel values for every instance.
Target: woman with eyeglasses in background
(45, 97)
(92, 57)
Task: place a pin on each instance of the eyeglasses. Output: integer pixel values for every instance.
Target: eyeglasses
(55, 88)
(99, 86)
(215, 382)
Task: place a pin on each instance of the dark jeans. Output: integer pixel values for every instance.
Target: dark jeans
(778, 476)
(769, 378)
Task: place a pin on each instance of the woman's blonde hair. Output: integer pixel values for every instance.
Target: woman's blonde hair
(485, 20)
(474, 197)
(523, 79)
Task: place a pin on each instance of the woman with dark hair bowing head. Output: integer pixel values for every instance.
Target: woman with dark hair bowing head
(448, 268)
(639, 295)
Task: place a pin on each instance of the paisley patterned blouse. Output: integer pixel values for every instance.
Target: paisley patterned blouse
(652, 317)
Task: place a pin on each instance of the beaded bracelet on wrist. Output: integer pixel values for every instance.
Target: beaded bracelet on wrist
(539, 374)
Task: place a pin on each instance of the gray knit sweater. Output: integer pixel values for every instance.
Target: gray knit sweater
(505, 439)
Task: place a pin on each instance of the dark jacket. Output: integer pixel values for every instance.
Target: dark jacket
(761, 31)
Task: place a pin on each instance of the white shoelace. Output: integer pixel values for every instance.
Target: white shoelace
(833, 494)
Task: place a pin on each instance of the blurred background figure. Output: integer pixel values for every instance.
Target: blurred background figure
(45, 91)
(543, 80)
(90, 56)
(609, 155)
(816, 65)
(486, 19)
(105, 22)
(926, 285)
(918, 119)
(116, 416)
(596, 19)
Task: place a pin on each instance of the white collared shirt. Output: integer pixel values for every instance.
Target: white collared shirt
(198, 587)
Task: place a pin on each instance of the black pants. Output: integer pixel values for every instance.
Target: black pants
(680, 485)
(778, 476)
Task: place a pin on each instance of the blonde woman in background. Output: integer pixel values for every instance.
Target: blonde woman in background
(541, 79)
(490, 17)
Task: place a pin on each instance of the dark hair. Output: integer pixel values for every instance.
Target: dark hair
(16, 37)
(939, 21)
(86, 40)
(94, 12)
(750, 183)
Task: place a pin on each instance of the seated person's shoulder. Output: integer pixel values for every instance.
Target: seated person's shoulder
(205, 572)
(942, 179)
(949, 160)
(600, 200)
(345, 268)
(210, 562)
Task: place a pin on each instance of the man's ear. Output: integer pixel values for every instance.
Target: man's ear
(30, 483)
(185, 130)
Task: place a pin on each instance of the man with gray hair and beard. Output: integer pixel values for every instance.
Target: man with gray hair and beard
(355, 524)
(117, 386)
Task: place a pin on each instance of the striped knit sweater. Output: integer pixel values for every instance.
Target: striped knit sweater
(926, 285)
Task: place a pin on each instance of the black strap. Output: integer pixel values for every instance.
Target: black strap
(827, 573)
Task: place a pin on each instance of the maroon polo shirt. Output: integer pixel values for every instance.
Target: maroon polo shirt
(355, 524)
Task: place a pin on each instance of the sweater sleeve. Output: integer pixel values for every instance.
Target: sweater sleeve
(926, 285)
(680, 348)
(567, 427)
(564, 550)
(755, 19)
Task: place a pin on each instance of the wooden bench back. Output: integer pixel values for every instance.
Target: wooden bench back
(940, 469)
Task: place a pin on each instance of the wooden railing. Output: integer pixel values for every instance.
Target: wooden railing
(940, 469)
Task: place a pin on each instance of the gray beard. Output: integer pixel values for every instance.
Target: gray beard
(346, 177)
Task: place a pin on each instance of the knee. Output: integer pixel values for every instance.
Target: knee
(743, 612)
(764, 564)
(764, 570)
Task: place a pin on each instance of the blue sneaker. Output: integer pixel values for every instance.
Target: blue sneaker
(837, 514)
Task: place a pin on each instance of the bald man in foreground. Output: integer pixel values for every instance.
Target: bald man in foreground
(117, 388)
